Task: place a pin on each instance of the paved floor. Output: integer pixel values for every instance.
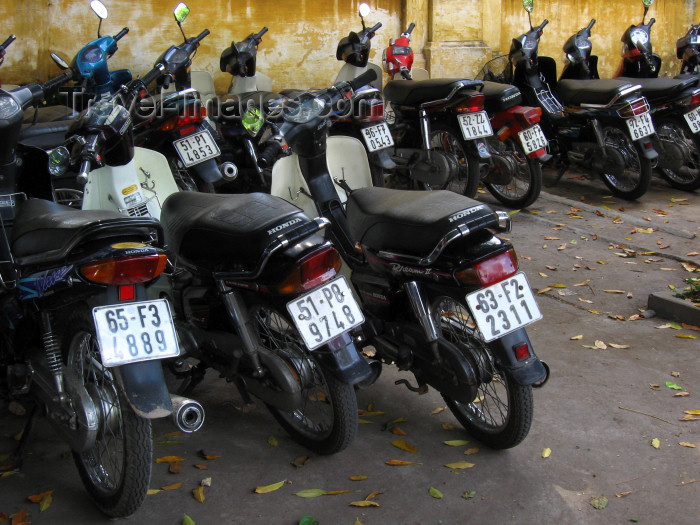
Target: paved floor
(598, 414)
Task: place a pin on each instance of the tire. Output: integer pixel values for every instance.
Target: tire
(326, 422)
(635, 180)
(524, 188)
(446, 137)
(501, 414)
(117, 469)
(676, 131)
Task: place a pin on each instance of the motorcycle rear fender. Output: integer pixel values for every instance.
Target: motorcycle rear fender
(648, 148)
(341, 358)
(145, 389)
(526, 372)
(208, 171)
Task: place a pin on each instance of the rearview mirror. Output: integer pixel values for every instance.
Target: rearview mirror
(364, 9)
(647, 3)
(99, 9)
(181, 11)
(59, 61)
(529, 4)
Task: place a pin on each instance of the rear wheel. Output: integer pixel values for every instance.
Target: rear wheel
(326, 421)
(501, 413)
(117, 469)
(446, 137)
(632, 175)
(679, 164)
(514, 179)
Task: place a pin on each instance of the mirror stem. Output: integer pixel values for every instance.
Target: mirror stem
(99, 26)
(182, 31)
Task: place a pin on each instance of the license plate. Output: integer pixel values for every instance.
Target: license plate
(640, 126)
(325, 312)
(693, 120)
(475, 125)
(377, 137)
(196, 148)
(131, 332)
(532, 139)
(504, 307)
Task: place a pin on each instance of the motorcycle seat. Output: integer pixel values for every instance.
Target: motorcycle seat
(419, 92)
(44, 231)
(500, 97)
(44, 135)
(412, 222)
(212, 231)
(658, 90)
(598, 91)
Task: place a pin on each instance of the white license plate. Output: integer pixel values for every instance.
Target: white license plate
(377, 137)
(131, 332)
(504, 307)
(693, 120)
(325, 312)
(196, 148)
(532, 139)
(475, 125)
(640, 126)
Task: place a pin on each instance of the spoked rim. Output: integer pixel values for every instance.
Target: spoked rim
(630, 178)
(104, 463)
(520, 183)
(673, 132)
(445, 141)
(315, 417)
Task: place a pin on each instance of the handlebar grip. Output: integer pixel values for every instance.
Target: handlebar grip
(121, 34)
(82, 176)
(269, 154)
(544, 23)
(374, 27)
(364, 79)
(590, 24)
(200, 37)
(7, 42)
(410, 28)
(166, 82)
(261, 33)
(57, 81)
(652, 21)
(153, 74)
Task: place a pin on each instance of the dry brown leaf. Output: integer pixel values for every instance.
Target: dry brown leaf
(448, 426)
(576, 337)
(623, 494)
(587, 301)
(614, 291)
(459, 465)
(438, 410)
(36, 498)
(364, 503)
(552, 239)
(20, 518)
(600, 345)
(471, 451)
(686, 444)
(690, 327)
(398, 431)
(373, 495)
(681, 394)
(337, 492)
(198, 494)
(400, 463)
(405, 445)
(615, 345)
(172, 486)
(201, 467)
(175, 467)
(688, 418)
(169, 459)
(543, 290)
(692, 412)
(357, 478)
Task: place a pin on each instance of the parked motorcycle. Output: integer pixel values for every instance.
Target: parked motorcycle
(513, 173)
(674, 104)
(441, 294)
(688, 50)
(79, 341)
(3, 47)
(602, 127)
(638, 59)
(254, 286)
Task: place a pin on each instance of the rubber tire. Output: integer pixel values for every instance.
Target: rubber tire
(520, 404)
(534, 170)
(671, 179)
(137, 451)
(340, 396)
(642, 185)
(473, 168)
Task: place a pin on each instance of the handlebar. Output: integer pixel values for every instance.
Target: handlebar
(199, 37)
(364, 79)
(652, 21)
(261, 33)
(540, 27)
(57, 81)
(590, 24)
(7, 42)
(82, 176)
(410, 28)
(121, 34)
(374, 28)
(152, 74)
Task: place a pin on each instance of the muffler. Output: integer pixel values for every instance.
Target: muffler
(229, 171)
(188, 415)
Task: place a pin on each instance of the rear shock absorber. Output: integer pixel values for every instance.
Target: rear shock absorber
(52, 350)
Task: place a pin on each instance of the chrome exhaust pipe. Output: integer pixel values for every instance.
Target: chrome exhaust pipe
(229, 171)
(188, 415)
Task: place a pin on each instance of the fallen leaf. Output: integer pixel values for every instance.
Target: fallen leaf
(310, 493)
(370, 412)
(357, 478)
(399, 463)
(175, 467)
(690, 327)
(674, 386)
(201, 467)
(337, 492)
(186, 520)
(435, 493)
(153, 491)
(206, 482)
(202, 454)
(198, 494)
(272, 441)
(599, 502)
(373, 495)
(173, 434)
(459, 465)
(686, 444)
(264, 489)
(387, 426)
(681, 394)
(614, 291)
(544, 290)
(169, 459)
(688, 418)
(45, 502)
(692, 412)
(593, 311)
(588, 301)
(551, 238)
(676, 374)
(364, 503)
(448, 426)
(300, 461)
(584, 283)
(692, 254)
(398, 431)
(623, 494)
(364, 421)
(438, 410)
(686, 336)
(558, 285)
(20, 518)
(36, 498)
(576, 337)
(656, 443)
(456, 442)
(546, 453)
(600, 345)
(471, 451)
(542, 274)
(169, 442)
(404, 445)
(615, 345)
(172, 486)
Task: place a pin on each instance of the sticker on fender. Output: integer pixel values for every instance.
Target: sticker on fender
(325, 313)
(503, 307)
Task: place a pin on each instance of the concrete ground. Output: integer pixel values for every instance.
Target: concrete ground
(605, 405)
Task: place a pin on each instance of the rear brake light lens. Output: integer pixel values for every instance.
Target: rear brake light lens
(371, 110)
(192, 115)
(522, 352)
(126, 270)
(497, 268)
(634, 107)
(527, 115)
(692, 101)
(472, 103)
(311, 271)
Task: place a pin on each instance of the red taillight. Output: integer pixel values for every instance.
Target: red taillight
(472, 103)
(497, 268)
(371, 110)
(634, 107)
(192, 115)
(311, 271)
(527, 115)
(522, 352)
(126, 270)
(692, 101)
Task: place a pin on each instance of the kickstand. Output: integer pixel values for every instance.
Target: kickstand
(420, 389)
(560, 173)
(17, 457)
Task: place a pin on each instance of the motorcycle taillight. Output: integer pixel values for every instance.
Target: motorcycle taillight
(371, 110)
(527, 115)
(192, 115)
(125, 270)
(472, 103)
(691, 102)
(311, 271)
(634, 107)
(497, 268)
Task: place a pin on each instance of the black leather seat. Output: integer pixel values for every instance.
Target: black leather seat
(44, 135)
(600, 91)
(663, 89)
(500, 97)
(417, 92)
(213, 231)
(412, 222)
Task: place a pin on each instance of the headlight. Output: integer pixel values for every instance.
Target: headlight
(59, 159)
